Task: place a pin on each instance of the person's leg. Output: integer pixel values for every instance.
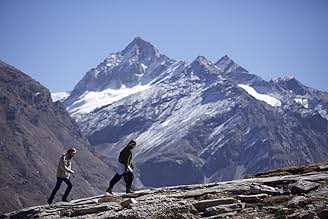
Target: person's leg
(114, 180)
(54, 191)
(68, 189)
(128, 177)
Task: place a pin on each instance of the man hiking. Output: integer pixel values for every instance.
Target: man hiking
(124, 168)
(63, 173)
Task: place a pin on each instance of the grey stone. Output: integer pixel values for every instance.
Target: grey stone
(297, 201)
(272, 209)
(302, 215)
(323, 214)
(202, 205)
(221, 216)
(72, 212)
(223, 209)
(258, 188)
(127, 203)
(303, 186)
(284, 212)
(252, 198)
(323, 167)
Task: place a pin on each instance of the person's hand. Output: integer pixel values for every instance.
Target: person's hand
(130, 169)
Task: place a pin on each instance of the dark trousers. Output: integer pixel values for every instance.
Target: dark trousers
(58, 184)
(128, 178)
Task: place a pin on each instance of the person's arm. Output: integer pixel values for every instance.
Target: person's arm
(125, 157)
(66, 168)
(64, 164)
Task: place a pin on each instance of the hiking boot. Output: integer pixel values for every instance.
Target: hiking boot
(65, 200)
(129, 191)
(49, 202)
(109, 190)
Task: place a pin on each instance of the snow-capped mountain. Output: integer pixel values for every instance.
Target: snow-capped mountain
(121, 74)
(197, 122)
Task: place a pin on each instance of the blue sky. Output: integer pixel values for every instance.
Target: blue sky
(57, 42)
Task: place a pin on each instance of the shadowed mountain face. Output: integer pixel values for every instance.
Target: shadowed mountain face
(34, 133)
(198, 122)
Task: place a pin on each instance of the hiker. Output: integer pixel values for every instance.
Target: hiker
(124, 168)
(63, 173)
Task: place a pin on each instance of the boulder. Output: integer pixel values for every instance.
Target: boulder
(127, 203)
(304, 186)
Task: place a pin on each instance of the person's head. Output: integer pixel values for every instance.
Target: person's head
(71, 152)
(132, 144)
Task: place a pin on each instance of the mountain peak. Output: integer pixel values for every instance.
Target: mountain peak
(201, 65)
(139, 41)
(292, 84)
(227, 65)
(202, 60)
(226, 57)
(142, 47)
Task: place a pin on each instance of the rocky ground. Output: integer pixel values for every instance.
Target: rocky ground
(295, 193)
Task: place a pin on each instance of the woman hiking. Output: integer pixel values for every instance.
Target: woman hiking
(124, 168)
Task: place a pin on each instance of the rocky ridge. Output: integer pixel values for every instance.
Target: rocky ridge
(296, 192)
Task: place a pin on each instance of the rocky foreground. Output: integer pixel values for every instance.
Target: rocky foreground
(297, 192)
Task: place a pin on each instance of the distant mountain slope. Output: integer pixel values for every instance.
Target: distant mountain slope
(34, 132)
(201, 121)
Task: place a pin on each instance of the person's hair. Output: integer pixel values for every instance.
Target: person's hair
(132, 142)
(71, 150)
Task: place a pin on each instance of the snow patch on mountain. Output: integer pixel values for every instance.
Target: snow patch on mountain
(92, 100)
(113, 60)
(323, 113)
(262, 97)
(303, 101)
(59, 96)
(144, 67)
